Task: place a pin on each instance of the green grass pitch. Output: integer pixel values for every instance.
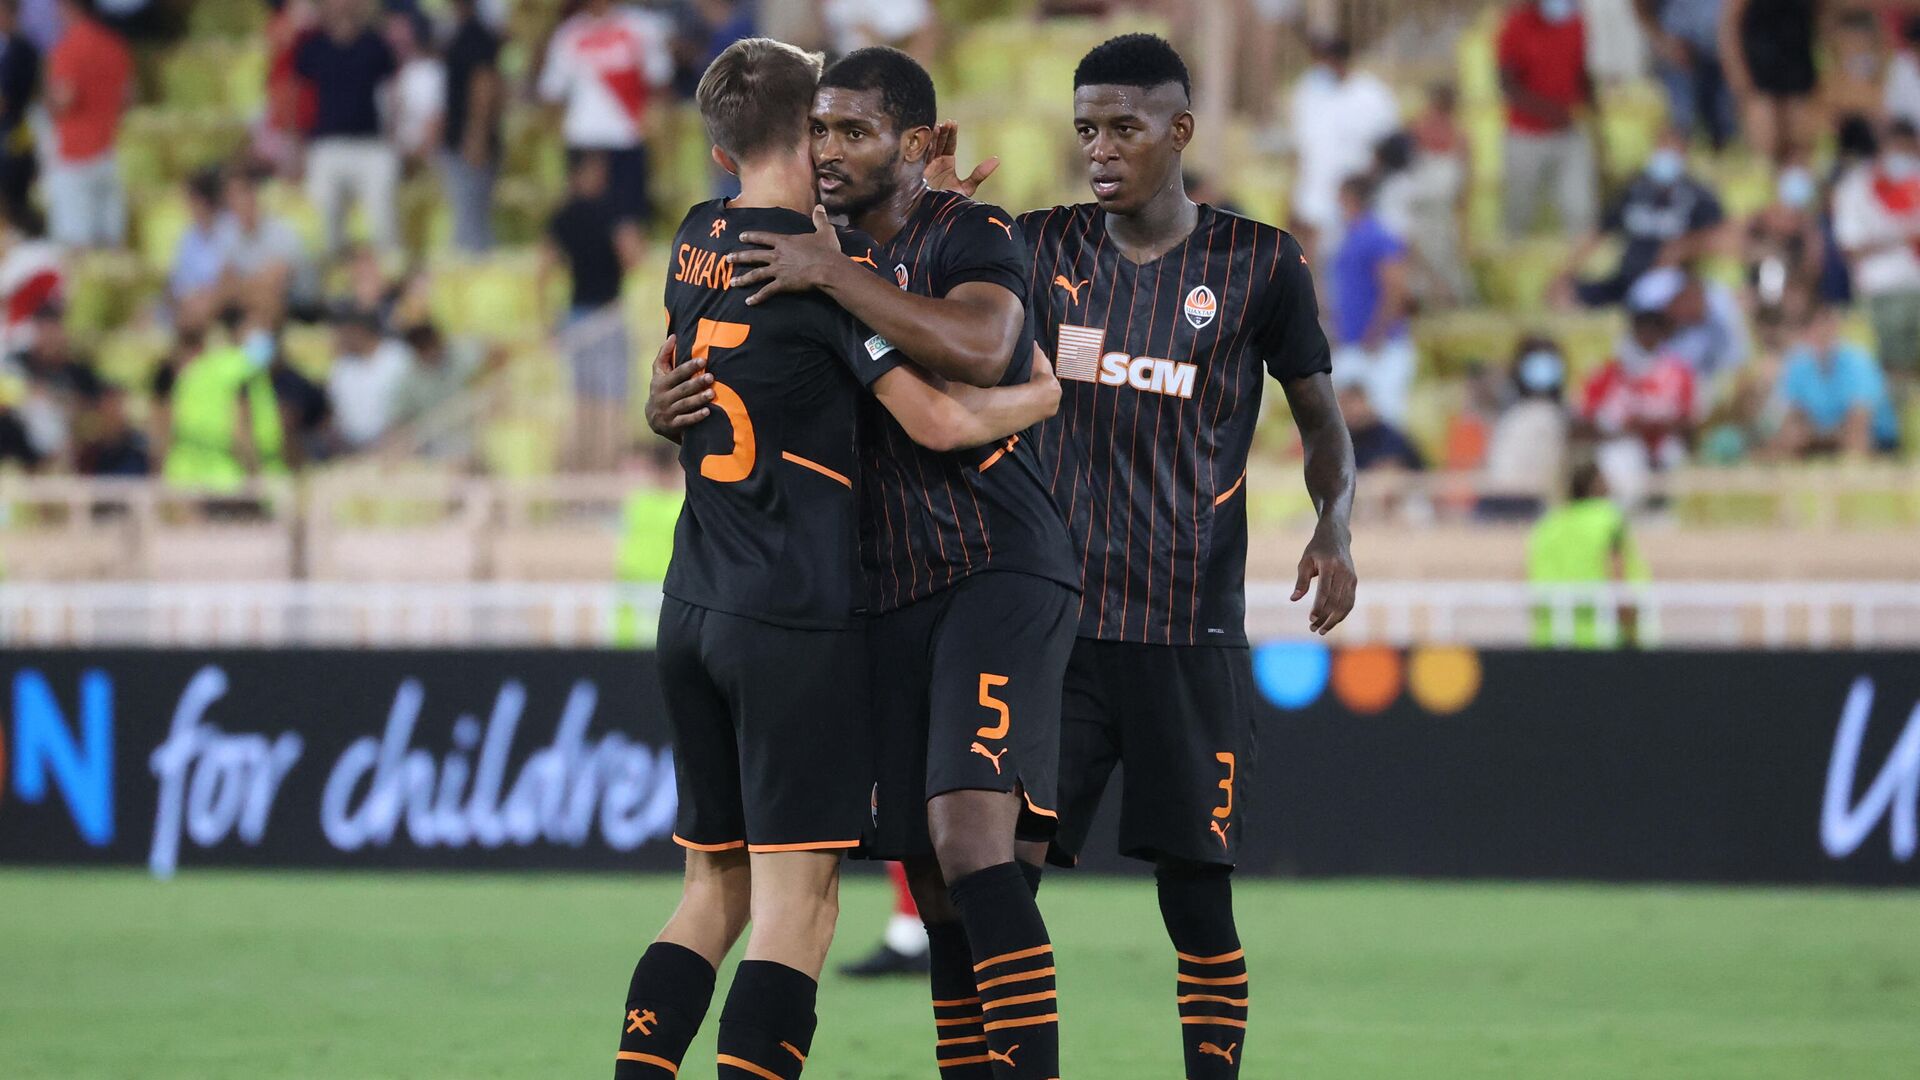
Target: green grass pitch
(259, 975)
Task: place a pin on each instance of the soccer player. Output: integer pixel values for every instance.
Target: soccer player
(1165, 314)
(971, 581)
(762, 661)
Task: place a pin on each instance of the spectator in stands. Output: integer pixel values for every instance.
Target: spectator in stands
(909, 25)
(1767, 53)
(605, 65)
(1438, 184)
(363, 383)
(266, 265)
(207, 413)
(291, 99)
(62, 386)
(1709, 326)
(1367, 279)
(113, 446)
(1835, 394)
(704, 30)
(1900, 99)
(1685, 39)
(1855, 75)
(349, 160)
(1584, 542)
(597, 249)
(1526, 452)
(1336, 117)
(301, 405)
(1377, 445)
(89, 86)
(199, 259)
(476, 98)
(1785, 248)
(440, 375)
(1876, 222)
(1666, 218)
(19, 93)
(1640, 406)
(418, 99)
(16, 446)
(1548, 89)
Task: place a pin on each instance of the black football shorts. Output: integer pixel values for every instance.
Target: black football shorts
(1179, 722)
(966, 697)
(770, 736)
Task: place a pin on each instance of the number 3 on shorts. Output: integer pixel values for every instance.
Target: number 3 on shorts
(1225, 812)
(987, 701)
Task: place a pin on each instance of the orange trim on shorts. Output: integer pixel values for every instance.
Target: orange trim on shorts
(816, 467)
(1024, 999)
(1234, 981)
(1019, 976)
(1027, 1021)
(648, 1059)
(1188, 999)
(1228, 494)
(1210, 1020)
(994, 459)
(1221, 959)
(811, 845)
(1036, 808)
(731, 845)
(1008, 958)
(747, 1066)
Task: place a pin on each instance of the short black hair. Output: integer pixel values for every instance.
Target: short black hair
(906, 90)
(1143, 60)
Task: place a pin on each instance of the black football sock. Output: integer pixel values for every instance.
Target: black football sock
(1033, 875)
(1013, 972)
(1197, 904)
(766, 1027)
(959, 1044)
(668, 997)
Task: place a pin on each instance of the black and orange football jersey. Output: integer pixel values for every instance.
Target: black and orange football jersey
(770, 528)
(1161, 367)
(930, 519)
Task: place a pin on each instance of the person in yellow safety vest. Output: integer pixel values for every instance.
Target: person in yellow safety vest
(222, 422)
(647, 520)
(1584, 541)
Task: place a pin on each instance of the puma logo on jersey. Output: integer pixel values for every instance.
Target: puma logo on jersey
(1080, 356)
(1008, 229)
(1073, 290)
(868, 259)
(1209, 1048)
(1220, 831)
(995, 1055)
(990, 756)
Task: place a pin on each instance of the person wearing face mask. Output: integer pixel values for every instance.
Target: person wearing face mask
(1528, 446)
(1876, 222)
(1337, 116)
(1784, 250)
(1640, 407)
(1548, 88)
(1665, 218)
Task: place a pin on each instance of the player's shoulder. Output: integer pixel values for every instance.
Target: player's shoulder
(1056, 221)
(700, 220)
(958, 213)
(1264, 241)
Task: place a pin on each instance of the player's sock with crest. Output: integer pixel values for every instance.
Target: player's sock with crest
(959, 1044)
(766, 1026)
(666, 1001)
(1197, 904)
(1013, 972)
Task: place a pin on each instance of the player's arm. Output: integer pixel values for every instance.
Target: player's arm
(678, 395)
(1330, 476)
(954, 417)
(967, 335)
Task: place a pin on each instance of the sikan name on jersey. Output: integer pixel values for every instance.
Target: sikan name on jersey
(701, 267)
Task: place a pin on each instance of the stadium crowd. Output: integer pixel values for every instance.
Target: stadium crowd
(1758, 236)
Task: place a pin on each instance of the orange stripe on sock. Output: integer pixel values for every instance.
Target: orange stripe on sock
(1220, 1020)
(795, 1051)
(1233, 981)
(1023, 999)
(811, 845)
(950, 1063)
(1022, 1021)
(747, 1066)
(1019, 976)
(1008, 958)
(960, 1041)
(938, 1004)
(648, 1059)
(816, 467)
(732, 845)
(958, 1021)
(1221, 959)
(1188, 999)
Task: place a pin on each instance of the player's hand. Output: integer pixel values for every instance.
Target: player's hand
(943, 171)
(784, 263)
(1328, 559)
(678, 396)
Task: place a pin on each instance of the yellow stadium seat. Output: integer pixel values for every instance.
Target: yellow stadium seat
(128, 357)
(104, 290)
(161, 219)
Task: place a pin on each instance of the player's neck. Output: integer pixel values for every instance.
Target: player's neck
(1158, 228)
(775, 185)
(884, 220)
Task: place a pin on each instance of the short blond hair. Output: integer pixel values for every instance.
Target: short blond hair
(756, 96)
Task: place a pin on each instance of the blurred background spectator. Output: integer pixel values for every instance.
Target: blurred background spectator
(1436, 184)
(1666, 217)
(605, 66)
(1367, 283)
(1785, 249)
(475, 96)
(1547, 86)
(1586, 541)
(1684, 37)
(1338, 115)
(1835, 395)
(89, 86)
(349, 160)
(1767, 52)
(19, 92)
(909, 25)
(1526, 450)
(1876, 220)
(597, 248)
(364, 379)
(1638, 408)
(1377, 444)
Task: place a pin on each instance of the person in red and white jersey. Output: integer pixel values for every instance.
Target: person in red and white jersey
(604, 66)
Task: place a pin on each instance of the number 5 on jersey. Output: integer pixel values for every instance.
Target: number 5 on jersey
(735, 465)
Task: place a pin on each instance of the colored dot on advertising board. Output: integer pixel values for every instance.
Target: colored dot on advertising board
(1444, 678)
(1368, 679)
(1291, 674)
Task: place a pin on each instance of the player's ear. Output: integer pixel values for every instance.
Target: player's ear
(1182, 130)
(916, 143)
(725, 161)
